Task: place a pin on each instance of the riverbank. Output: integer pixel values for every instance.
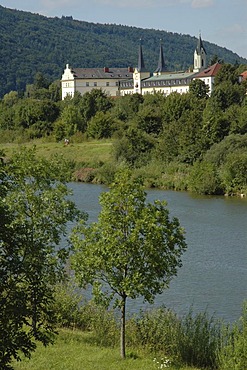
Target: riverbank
(92, 162)
(75, 350)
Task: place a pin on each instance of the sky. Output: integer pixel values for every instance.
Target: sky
(222, 22)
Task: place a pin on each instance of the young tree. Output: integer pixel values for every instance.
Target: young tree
(35, 210)
(133, 250)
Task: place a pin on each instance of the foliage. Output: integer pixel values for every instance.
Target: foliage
(200, 340)
(134, 249)
(199, 89)
(196, 339)
(157, 330)
(204, 179)
(34, 213)
(134, 147)
(234, 172)
(233, 354)
(193, 340)
(100, 126)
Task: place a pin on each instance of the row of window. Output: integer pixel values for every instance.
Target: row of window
(96, 84)
(167, 83)
(158, 83)
(167, 92)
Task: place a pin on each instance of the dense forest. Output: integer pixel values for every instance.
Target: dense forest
(191, 141)
(32, 43)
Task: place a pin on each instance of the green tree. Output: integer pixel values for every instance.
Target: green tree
(29, 111)
(133, 250)
(134, 147)
(91, 103)
(174, 106)
(227, 72)
(71, 119)
(127, 106)
(234, 172)
(149, 119)
(100, 126)
(199, 89)
(35, 210)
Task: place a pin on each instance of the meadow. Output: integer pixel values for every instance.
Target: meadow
(85, 153)
(76, 350)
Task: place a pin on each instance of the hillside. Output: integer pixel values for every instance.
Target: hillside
(32, 43)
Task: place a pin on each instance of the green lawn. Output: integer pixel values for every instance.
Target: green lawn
(88, 152)
(74, 350)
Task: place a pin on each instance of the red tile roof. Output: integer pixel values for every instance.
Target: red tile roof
(244, 75)
(210, 71)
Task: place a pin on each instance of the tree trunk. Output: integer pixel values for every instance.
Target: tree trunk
(122, 336)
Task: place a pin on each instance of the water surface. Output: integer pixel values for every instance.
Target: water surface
(214, 272)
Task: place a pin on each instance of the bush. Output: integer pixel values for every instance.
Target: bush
(233, 354)
(73, 312)
(68, 306)
(191, 340)
(234, 172)
(200, 340)
(157, 331)
(204, 179)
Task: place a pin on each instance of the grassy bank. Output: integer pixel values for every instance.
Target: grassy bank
(75, 350)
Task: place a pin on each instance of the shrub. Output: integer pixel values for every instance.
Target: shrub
(74, 312)
(204, 179)
(157, 330)
(233, 354)
(200, 340)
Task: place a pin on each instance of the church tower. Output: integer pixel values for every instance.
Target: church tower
(140, 72)
(200, 56)
(161, 63)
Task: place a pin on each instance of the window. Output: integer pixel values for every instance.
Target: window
(95, 83)
(87, 84)
(107, 84)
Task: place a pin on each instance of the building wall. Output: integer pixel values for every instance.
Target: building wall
(110, 87)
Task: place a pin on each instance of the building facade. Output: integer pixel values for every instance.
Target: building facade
(124, 81)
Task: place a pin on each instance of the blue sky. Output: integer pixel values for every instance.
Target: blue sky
(223, 22)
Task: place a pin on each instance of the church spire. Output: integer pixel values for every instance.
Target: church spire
(141, 65)
(200, 47)
(200, 56)
(161, 63)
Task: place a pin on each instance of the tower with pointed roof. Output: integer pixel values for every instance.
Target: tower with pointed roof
(161, 63)
(200, 56)
(140, 72)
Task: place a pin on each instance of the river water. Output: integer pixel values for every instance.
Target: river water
(214, 272)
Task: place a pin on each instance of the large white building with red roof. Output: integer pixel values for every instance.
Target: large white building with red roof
(207, 75)
(123, 81)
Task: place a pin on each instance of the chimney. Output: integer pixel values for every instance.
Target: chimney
(106, 69)
(130, 69)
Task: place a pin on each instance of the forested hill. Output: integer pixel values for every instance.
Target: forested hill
(32, 43)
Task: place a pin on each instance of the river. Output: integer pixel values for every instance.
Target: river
(214, 272)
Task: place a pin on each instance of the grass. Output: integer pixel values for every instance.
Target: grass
(75, 350)
(87, 152)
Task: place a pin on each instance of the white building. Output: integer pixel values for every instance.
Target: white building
(85, 79)
(123, 81)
